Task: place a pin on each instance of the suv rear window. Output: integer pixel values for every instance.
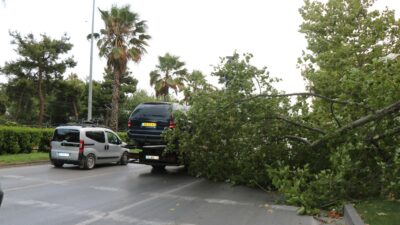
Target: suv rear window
(152, 110)
(96, 136)
(69, 135)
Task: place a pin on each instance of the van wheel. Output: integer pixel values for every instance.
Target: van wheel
(89, 162)
(124, 159)
(58, 164)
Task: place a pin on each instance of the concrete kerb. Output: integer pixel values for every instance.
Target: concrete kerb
(351, 216)
(34, 163)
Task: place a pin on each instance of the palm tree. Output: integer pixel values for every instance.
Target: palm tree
(195, 82)
(169, 74)
(124, 38)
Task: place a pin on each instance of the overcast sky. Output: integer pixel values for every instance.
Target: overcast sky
(197, 31)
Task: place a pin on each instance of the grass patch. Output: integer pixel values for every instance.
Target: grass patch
(23, 158)
(379, 212)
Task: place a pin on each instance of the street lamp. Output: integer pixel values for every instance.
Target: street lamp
(89, 117)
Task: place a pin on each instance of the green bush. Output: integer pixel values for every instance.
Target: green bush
(15, 140)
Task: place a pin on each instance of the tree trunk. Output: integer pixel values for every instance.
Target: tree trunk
(41, 97)
(76, 114)
(19, 106)
(115, 101)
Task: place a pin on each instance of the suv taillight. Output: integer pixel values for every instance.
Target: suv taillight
(129, 123)
(81, 146)
(172, 124)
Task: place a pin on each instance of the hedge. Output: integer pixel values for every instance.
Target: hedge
(15, 140)
(24, 139)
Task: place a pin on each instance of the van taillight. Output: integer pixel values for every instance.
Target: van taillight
(81, 146)
(129, 123)
(172, 124)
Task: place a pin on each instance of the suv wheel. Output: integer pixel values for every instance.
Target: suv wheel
(158, 167)
(124, 159)
(89, 162)
(58, 164)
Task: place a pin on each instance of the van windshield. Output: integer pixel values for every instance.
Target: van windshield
(148, 110)
(68, 135)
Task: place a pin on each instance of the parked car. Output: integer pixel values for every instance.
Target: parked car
(145, 127)
(1, 195)
(86, 146)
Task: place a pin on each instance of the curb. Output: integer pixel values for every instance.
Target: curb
(351, 216)
(24, 164)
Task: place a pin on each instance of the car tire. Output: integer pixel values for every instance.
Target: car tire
(58, 164)
(124, 159)
(89, 162)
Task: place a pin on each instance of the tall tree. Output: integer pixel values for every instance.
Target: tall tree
(352, 51)
(123, 38)
(169, 74)
(39, 61)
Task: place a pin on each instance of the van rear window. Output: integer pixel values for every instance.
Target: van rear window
(68, 135)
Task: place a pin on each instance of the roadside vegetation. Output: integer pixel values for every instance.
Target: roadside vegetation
(334, 143)
(23, 158)
(379, 211)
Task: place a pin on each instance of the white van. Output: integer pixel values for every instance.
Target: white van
(86, 146)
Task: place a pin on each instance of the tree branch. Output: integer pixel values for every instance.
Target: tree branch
(279, 117)
(333, 115)
(385, 134)
(306, 94)
(296, 138)
(360, 122)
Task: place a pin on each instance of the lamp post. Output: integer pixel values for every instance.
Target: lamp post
(89, 117)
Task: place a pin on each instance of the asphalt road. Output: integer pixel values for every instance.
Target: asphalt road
(132, 194)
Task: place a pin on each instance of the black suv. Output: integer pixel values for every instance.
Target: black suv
(148, 121)
(145, 126)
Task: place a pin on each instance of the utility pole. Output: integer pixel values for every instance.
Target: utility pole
(89, 117)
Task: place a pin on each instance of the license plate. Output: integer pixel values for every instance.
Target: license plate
(153, 157)
(63, 154)
(149, 124)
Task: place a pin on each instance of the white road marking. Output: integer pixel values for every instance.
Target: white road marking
(102, 188)
(13, 176)
(113, 213)
(39, 204)
(220, 201)
(226, 202)
(208, 200)
(26, 187)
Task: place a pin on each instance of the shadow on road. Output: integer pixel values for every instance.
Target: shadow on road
(173, 171)
(97, 167)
